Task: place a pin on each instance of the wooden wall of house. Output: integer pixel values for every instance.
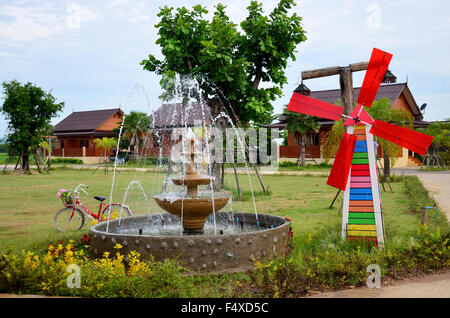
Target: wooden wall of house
(401, 103)
(152, 150)
(111, 123)
(72, 147)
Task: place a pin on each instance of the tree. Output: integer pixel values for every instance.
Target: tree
(106, 144)
(28, 110)
(300, 125)
(439, 150)
(135, 127)
(228, 64)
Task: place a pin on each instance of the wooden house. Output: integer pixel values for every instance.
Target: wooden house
(75, 134)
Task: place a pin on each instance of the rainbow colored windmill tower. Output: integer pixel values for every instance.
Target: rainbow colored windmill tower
(354, 169)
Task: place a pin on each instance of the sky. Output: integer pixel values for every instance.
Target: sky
(87, 53)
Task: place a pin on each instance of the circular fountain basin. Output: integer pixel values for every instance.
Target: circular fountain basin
(244, 240)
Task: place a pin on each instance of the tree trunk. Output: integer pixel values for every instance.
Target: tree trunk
(25, 161)
(49, 164)
(302, 140)
(387, 166)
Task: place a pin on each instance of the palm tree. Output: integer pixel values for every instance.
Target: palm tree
(106, 144)
(300, 125)
(135, 128)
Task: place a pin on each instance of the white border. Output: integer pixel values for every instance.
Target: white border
(375, 187)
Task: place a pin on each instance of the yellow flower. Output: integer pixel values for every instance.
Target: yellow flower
(94, 222)
(118, 246)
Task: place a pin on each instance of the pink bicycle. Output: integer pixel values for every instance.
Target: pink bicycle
(72, 217)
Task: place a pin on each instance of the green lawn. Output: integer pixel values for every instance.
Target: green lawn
(28, 203)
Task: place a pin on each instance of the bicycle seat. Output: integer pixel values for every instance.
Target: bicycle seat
(100, 198)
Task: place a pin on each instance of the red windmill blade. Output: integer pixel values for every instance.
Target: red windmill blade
(378, 65)
(314, 107)
(407, 138)
(342, 162)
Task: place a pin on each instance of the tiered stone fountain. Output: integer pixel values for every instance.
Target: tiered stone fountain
(193, 208)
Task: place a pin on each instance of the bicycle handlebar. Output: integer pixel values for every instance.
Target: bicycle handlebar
(78, 187)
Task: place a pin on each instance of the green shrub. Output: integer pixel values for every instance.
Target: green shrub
(149, 161)
(67, 160)
(290, 164)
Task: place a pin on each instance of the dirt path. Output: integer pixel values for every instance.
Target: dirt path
(438, 184)
(428, 286)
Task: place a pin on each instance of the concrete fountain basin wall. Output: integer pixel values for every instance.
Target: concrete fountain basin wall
(205, 253)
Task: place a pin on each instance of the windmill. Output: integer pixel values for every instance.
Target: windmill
(354, 170)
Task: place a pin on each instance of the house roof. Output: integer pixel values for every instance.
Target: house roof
(175, 115)
(84, 122)
(390, 91)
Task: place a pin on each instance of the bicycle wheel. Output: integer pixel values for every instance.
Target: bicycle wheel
(69, 220)
(117, 209)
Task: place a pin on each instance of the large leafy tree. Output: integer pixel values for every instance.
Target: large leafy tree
(230, 64)
(28, 110)
(300, 125)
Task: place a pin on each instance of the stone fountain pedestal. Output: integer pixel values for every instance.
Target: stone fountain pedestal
(192, 208)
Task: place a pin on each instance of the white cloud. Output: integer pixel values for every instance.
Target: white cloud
(29, 23)
(131, 11)
(42, 20)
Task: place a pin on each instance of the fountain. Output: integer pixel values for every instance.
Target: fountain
(199, 228)
(193, 209)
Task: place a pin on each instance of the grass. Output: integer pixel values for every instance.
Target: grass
(320, 258)
(28, 203)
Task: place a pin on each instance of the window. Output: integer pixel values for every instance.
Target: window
(84, 143)
(62, 144)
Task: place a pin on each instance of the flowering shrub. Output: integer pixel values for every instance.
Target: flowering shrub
(109, 276)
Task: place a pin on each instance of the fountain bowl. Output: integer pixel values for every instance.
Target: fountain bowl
(195, 209)
(208, 253)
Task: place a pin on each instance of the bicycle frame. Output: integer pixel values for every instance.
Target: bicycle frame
(86, 210)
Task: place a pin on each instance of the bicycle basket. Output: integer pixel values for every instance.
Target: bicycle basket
(67, 199)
